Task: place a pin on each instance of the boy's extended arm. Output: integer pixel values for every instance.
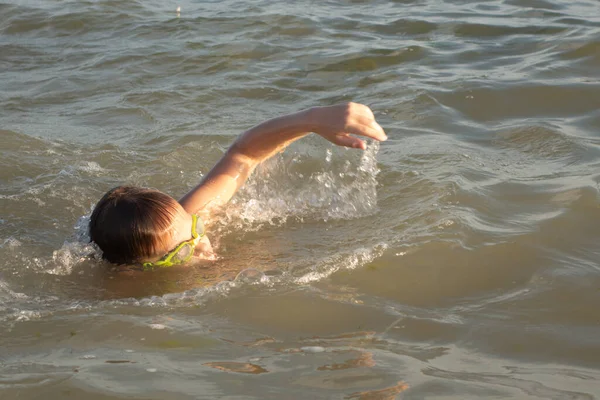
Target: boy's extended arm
(334, 123)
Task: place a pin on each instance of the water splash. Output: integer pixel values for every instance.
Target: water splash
(336, 262)
(331, 189)
(69, 255)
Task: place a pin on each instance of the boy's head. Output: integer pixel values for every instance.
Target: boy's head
(132, 224)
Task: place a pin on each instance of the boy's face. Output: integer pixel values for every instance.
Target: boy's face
(182, 231)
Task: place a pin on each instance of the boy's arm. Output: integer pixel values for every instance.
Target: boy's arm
(334, 123)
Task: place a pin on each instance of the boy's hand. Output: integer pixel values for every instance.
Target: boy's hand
(337, 123)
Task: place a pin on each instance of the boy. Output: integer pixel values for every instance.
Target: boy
(145, 226)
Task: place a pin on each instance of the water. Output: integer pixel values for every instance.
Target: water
(459, 259)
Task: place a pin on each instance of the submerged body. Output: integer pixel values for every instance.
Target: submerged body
(145, 226)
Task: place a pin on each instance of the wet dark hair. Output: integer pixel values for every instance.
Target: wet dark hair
(132, 224)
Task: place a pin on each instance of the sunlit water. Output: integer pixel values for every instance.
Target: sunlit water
(459, 259)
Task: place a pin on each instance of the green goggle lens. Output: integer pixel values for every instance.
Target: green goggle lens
(184, 251)
(184, 254)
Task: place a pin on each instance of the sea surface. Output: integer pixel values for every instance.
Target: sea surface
(460, 259)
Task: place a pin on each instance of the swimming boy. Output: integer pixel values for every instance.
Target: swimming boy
(134, 225)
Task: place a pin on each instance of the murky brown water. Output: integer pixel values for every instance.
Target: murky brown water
(459, 259)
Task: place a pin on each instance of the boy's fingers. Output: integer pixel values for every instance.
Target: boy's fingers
(349, 141)
(379, 132)
(376, 131)
(364, 109)
(371, 130)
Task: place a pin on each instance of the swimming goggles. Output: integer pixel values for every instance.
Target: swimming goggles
(184, 251)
